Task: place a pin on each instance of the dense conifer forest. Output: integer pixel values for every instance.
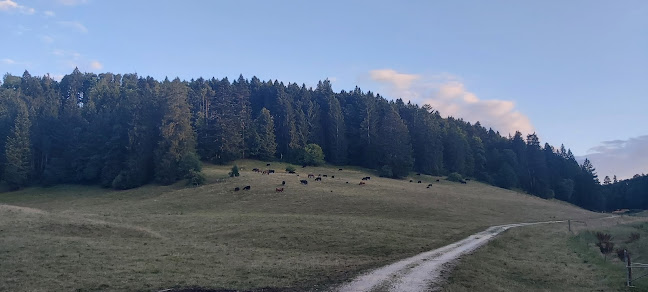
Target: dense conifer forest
(124, 131)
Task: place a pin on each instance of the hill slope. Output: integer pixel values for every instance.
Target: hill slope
(309, 236)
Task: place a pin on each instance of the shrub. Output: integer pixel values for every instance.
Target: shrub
(235, 171)
(455, 177)
(633, 237)
(386, 171)
(290, 168)
(621, 253)
(313, 155)
(195, 178)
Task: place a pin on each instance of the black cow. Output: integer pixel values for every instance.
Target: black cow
(437, 180)
(325, 175)
(291, 172)
(246, 188)
(268, 164)
(339, 169)
(418, 182)
(429, 185)
(236, 189)
(304, 182)
(318, 179)
(347, 182)
(271, 171)
(411, 180)
(364, 178)
(283, 182)
(463, 182)
(332, 176)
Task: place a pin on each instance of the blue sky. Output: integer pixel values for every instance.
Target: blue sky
(575, 72)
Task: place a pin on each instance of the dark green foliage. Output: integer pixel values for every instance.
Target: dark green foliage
(123, 131)
(312, 155)
(235, 171)
(195, 178)
(290, 168)
(17, 151)
(455, 177)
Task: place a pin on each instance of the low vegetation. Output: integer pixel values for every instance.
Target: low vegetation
(71, 237)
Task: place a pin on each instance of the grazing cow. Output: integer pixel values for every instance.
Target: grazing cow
(332, 176)
(255, 169)
(463, 182)
(347, 182)
(318, 179)
(304, 182)
(236, 189)
(264, 172)
(418, 182)
(311, 175)
(364, 178)
(429, 185)
(271, 171)
(362, 183)
(283, 182)
(246, 188)
(411, 180)
(437, 180)
(339, 169)
(279, 189)
(368, 177)
(292, 171)
(304, 166)
(268, 164)
(325, 175)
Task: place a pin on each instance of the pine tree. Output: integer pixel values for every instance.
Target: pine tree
(264, 129)
(395, 155)
(18, 151)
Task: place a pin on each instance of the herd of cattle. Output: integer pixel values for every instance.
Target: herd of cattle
(317, 178)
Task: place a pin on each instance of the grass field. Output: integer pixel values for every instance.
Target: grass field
(550, 258)
(311, 236)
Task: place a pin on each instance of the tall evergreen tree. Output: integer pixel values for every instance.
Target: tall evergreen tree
(18, 151)
(397, 157)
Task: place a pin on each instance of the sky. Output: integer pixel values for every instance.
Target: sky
(574, 72)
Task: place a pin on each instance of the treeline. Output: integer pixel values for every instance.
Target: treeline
(123, 131)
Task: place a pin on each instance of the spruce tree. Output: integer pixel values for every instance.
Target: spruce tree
(395, 150)
(18, 151)
(265, 132)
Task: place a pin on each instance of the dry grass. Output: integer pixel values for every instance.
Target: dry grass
(547, 258)
(308, 237)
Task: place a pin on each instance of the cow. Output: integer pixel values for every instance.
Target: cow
(246, 188)
(283, 182)
(264, 172)
(236, 189)
(279, 189)
(255, 169)
(411, 180)
(311, 175)
(325, 175)
(292, 171)
(437, 180)
(347, 182)
(271, 171)
(463, 182)
(332, 176)
(304, 166)
(418, 182)
(364, 178)
(429, 185)
(268, 164)
(362, 183)
(339, 169)
(318, 179)
(368, 178)
(304, 182)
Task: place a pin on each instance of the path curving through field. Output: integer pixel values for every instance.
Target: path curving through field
(422, 272)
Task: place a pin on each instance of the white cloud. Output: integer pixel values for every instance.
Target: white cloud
(400, 80)
(623, 158)
(96, 65)
(448, 95)
(49, 13)
(73, 25)
(9, 5)
(8, 61)
(72, 2)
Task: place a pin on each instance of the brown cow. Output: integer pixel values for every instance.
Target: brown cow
(279, 189)
(362, 183)
(311, 175)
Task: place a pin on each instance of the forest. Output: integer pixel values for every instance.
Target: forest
(124, 131)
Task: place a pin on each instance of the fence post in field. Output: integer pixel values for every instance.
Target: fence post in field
(628, 265)
(569, 224)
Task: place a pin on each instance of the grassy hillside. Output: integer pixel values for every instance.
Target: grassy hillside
(309, 236)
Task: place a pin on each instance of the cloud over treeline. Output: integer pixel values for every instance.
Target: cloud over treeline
(448, 95)
(623, 158)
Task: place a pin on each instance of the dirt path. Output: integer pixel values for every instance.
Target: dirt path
(422, 272)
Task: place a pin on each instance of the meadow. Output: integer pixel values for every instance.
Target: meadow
(308, 237)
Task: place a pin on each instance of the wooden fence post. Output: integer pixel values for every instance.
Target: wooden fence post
(628, 265)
